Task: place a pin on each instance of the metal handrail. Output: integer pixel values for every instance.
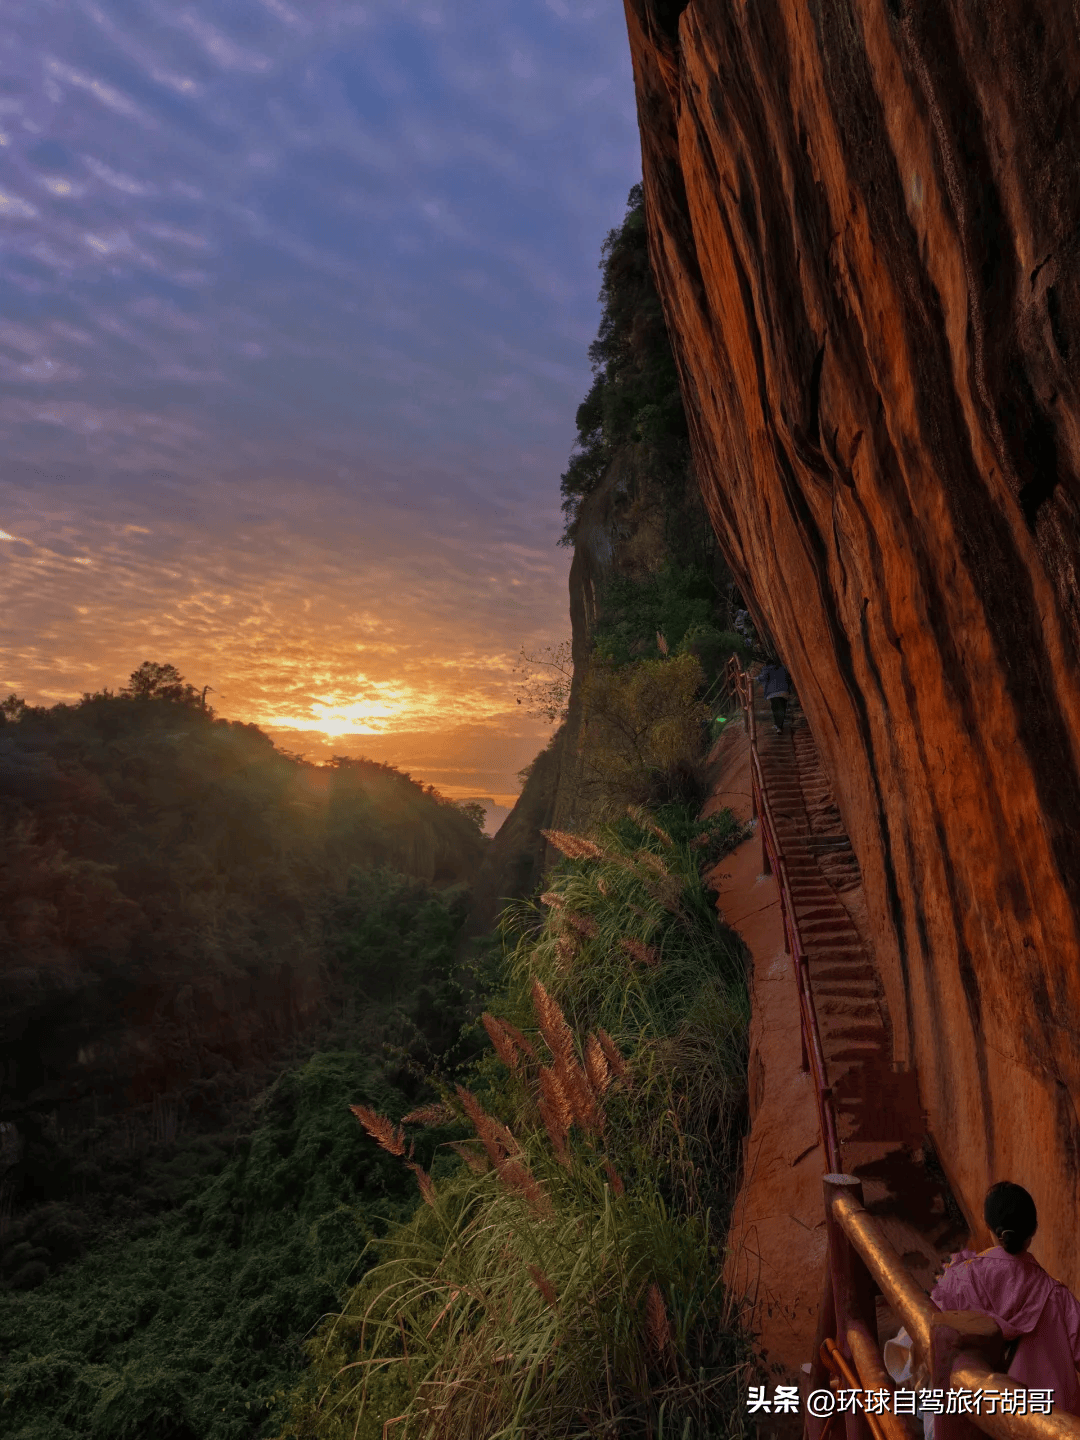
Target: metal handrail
(944, 1340)
(775, 862)
(860, 1258)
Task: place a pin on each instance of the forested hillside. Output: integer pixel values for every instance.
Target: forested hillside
(177, 899)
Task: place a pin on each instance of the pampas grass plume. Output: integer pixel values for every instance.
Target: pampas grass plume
(424, 1180)
(503, 1044)
(657, 1326)
(596, 1066)
(439, 1113)
(574, 847)
(380, 1129)
(544, 1285)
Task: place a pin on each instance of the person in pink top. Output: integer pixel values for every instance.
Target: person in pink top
(1038, 1316)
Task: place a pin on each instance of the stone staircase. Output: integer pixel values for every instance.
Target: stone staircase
(881, 1127)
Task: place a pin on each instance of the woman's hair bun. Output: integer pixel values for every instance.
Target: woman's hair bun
(1009, 1212)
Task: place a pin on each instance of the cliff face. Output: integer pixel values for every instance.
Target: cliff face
(620, 531)
(634, 516)
(864, 223)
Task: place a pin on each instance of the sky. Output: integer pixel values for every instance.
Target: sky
(295, 300)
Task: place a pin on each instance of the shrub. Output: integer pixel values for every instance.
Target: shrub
(712, 648)
(643, 729)
(30, 1276)
(672, 602)
(563, 1279)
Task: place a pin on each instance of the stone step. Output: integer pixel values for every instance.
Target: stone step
(872, 1033)
(852, 971)
(815, 942)
(839, 977)
(839, 1048)
(835, 1010)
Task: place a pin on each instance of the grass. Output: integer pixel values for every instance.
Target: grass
(563, 1278)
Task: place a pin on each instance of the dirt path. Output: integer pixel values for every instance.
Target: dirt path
(777, 1238)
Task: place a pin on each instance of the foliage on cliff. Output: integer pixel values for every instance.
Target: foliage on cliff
(181, 1326)
(634, 398)
(209, 1256)
(643, 733)
(564, 1277)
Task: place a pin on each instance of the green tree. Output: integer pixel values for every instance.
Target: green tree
(152, 681)
(642, 742)
(476, 812)
(634, 398)
(12, 708)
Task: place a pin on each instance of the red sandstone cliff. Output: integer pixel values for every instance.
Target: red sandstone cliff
(864, 218)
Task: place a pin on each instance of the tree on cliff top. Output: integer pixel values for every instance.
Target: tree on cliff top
(634, 398)
(152, 681)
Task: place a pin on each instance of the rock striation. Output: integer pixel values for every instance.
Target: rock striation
(864, 223)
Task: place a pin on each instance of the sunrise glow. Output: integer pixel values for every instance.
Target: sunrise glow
(249, 437)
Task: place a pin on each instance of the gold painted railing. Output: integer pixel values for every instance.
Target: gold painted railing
(958, 1350)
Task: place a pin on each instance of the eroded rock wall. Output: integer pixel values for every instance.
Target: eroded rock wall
(864, 218)
(624, 529)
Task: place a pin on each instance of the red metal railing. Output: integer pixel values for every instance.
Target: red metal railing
(775, 862)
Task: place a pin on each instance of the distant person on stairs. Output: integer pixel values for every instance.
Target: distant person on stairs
(1038, 1316)
(776, 684)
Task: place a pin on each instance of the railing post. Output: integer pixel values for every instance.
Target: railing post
(819, 1374)
(853, 1287)
(871, 1371)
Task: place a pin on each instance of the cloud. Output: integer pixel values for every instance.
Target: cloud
(16, 208)
(220, 48)
(104, 93)
(293, 359)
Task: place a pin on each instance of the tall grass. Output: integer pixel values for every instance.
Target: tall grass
(563, 1278)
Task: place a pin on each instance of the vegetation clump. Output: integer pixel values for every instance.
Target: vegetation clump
(564, 1278)
(170, 1289)
(634, 398)
(183, 1324)
(163, 887)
